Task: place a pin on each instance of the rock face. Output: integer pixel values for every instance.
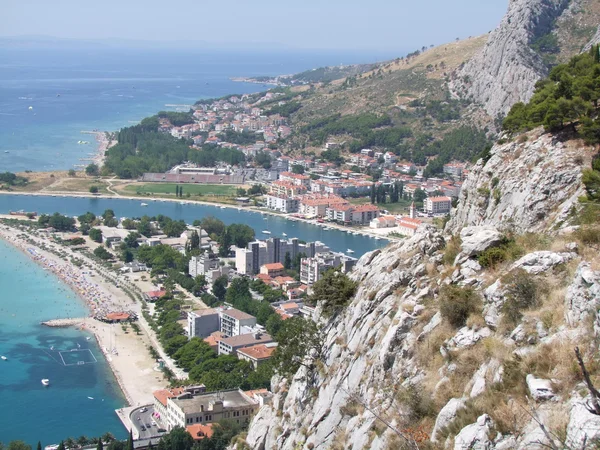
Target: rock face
(475, 240)
(583, 295)
(527, 186)
(475, 436)
(506, 69)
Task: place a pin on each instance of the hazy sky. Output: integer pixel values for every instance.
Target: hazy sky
(325, 24)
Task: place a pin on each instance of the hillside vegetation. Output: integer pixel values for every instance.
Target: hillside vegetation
(567, 98)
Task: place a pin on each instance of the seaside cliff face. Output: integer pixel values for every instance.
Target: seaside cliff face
(396, 373)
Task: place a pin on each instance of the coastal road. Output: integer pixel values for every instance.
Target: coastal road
(145, 418)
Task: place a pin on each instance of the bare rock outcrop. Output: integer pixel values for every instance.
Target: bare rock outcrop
(505, 71)
(529, 185)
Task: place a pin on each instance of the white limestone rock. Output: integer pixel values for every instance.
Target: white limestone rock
(539, 388)
(538, 262)
(446, 415)
(475, 436)
(538, 182)
(467, 337)
(505, 71)
(583, 425)
(583, 294)
(477, 239)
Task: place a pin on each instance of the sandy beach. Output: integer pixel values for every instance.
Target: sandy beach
(135, 370)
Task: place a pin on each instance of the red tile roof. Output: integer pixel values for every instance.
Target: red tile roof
(199, 431)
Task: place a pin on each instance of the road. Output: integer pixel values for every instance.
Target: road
(145, 418)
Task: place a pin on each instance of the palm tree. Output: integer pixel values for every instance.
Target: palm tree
(70, 443)
(83, 440)
(94, 440)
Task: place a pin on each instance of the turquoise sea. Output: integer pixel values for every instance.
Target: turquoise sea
(31, 411)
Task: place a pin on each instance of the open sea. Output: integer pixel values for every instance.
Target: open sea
(47, 97)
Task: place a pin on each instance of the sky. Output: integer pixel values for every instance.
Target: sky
(307, 24)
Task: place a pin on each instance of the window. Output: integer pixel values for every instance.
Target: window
(208, 417)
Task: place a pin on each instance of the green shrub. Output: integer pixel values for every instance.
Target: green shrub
(334, 290)
(492, 257)
(457, 303)
(452, 250)
(590, 236)
(521, 292)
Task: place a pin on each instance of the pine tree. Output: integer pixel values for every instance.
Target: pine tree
(100, 445)
(194, 241)
(181, 191)
(61, 446)
(373, 193)
(130, 440)
(39, 445)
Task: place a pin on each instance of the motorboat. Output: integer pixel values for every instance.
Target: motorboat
(4, 358)
(91, 398)
(266, 232)
(45, 381)
(144, 204)
(349, 251)
(285, 234)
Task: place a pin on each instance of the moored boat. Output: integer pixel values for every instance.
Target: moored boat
(45, 381)
(4, 358)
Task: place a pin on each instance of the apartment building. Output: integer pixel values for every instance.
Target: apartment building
(311, 269)
(231, 321)
(282, 203)
(438, 205)
(189, 409)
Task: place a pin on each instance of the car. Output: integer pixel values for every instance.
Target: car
(161, 430)
(144, 409)
(148, 425)
(139, 418)
(143, 428)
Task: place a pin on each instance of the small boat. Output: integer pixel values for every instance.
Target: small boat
(377, 238)
(182, 203)
(284, 234)
(45, 381)
(87, 338)
(91, 398)
(4, 358)
(349, 251)
(223, 207)
(144, 204)
(6, 151)
(266, 232)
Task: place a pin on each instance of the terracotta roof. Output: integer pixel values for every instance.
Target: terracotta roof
(214, 338)
(156, 294)
(117, 316)
(291, 305)
(246, 340)
(264, 277)
(439, 199)
(258, 352)
(283, 314)
(199, 431)
(366, 207)
(163, 394)
(273, 266)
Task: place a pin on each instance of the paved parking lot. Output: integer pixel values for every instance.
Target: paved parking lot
(142, 421)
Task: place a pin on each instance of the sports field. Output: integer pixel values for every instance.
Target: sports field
(192, 189)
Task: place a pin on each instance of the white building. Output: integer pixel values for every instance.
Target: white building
(200, 265)
(311, 269)
(438, 205)
(282, 203)
(383, 222)
(233, 320)
(408, 226)
(203, 322)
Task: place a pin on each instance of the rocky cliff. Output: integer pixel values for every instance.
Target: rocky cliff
(396, 373)
(527, 184)
(506, 69)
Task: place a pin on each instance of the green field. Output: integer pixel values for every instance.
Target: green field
(192, 189)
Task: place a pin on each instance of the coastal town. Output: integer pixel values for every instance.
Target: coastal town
(368, 188)
(114, 268)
